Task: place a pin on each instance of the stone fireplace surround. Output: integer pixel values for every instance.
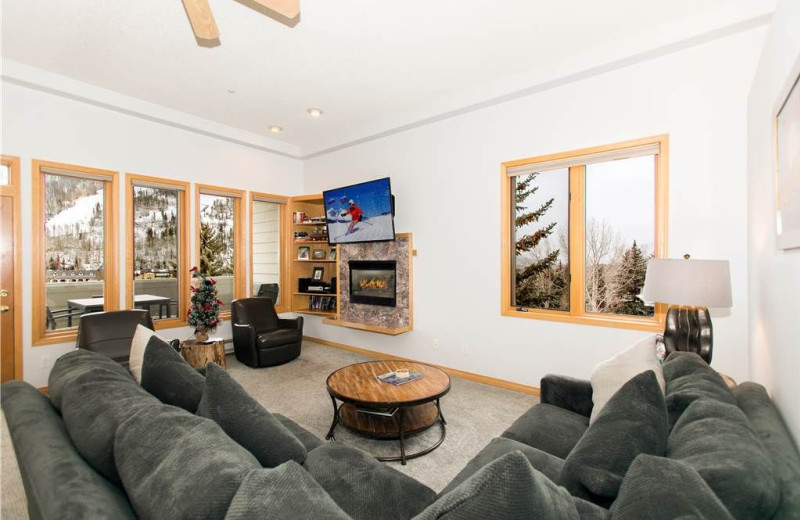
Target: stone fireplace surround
(376, 317)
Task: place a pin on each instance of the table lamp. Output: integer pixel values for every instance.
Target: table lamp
(690, 287)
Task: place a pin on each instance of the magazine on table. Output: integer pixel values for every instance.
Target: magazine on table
(383, 412)
(392, 378)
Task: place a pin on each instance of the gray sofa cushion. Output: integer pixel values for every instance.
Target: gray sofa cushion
(717, 441)
(179, 466)
(246, 421)
(287, 491)
(58, 481)
(634, 421)
(769, 426)
(508, 487)
(688, 378)
(309, 440)
(166, 375)
(71, 365)
(365, 488)
(549, 428)
(657, 488)
(549, 465)
(94, 404)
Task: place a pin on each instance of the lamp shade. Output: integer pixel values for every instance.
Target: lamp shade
(701, 283)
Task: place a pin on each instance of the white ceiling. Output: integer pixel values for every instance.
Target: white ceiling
(371, 65)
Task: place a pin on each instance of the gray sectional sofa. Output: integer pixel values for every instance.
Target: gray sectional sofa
(190, 445)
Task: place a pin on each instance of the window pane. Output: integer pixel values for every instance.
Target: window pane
(74, 249)
(620, 234)
(266, 246)
(5, 175)
(216, 244)
(541, 241)
(156, 251)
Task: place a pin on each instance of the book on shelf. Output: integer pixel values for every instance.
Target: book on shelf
(383, 412)
(392, 378)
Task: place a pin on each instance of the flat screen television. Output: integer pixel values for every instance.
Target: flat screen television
(360, 213)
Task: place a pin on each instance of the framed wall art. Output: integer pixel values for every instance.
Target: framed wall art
(787, 146)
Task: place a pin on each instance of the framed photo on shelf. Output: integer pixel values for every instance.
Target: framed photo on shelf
(318, 273)
(332, 254)
(319, 254)
(303, 252)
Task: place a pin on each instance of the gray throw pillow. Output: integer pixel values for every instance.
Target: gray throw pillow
(717, 441)
(179, 466)
(166, 375)
(365, 488)
(246, 421)
(94, 404)
(688, 378)
(509, 487)
(73, 364)
(657, 488)
(634, 421)
(287, 491)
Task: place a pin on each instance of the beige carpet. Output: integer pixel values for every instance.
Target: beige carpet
(475, 414)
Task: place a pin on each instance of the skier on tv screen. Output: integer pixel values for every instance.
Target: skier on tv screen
(355, 212)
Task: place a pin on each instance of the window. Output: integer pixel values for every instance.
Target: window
(74, 247)
(5, 173)
(578, 228)
(157, 266)
(267, 267)
(220, 241)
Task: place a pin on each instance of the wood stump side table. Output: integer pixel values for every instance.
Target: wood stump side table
(199, 354)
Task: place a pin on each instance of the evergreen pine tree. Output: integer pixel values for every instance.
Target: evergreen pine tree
(629, 281)
(541, 284)
(212, 251)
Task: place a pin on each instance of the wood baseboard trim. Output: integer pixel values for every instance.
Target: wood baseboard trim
(478, 378)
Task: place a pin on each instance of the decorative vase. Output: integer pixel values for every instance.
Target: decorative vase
(201, 336)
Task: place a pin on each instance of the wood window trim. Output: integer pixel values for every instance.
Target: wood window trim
(284, 234)
(239, 273)
(110, 283)
(13, 190)
(576, 314)
(183, 246)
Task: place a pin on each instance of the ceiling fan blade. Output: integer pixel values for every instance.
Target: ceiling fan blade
(202, 20)
(288, 8)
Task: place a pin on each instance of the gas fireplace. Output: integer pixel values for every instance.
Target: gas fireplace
(373, 282)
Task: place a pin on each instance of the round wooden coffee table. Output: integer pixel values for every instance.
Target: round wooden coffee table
(379, 410)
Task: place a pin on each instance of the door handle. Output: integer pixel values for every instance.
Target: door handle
(3, 293)
(4, 308)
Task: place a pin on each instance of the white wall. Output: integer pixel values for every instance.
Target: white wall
(52, 127)
(446, 178)
(774, 279)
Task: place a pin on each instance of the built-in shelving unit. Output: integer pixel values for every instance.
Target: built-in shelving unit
(304, 302)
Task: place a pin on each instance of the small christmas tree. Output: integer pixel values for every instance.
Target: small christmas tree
(204, 309)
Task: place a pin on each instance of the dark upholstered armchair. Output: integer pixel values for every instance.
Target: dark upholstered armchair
(260, 338)
(110, 333)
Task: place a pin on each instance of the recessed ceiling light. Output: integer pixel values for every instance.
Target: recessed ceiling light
(314, 112)
(275, 129)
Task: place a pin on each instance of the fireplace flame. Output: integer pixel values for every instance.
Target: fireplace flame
(373, 283)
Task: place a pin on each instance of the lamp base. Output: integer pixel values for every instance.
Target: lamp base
(688, 329)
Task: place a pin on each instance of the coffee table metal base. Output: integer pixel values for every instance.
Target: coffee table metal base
(407, 422)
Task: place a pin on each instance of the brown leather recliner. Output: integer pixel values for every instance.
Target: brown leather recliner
(110, 333)
(260, 337)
